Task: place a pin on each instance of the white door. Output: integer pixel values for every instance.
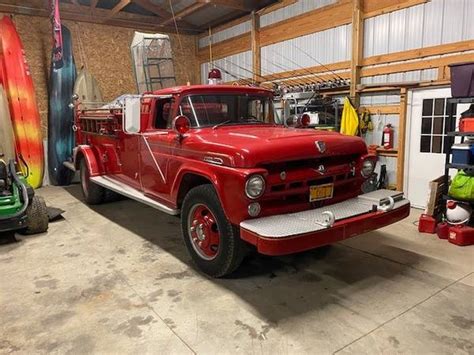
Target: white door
(426, 132)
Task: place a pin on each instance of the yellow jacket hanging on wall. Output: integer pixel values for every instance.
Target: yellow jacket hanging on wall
(350, 119)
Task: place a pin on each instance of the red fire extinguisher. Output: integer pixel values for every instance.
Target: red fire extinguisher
(387, 137)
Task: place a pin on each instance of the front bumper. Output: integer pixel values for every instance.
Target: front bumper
(296, 232)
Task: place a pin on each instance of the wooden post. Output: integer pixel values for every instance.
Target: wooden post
(255, 43)
(401, 139)
(357, 48)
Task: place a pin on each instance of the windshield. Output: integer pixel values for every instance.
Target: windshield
(223, 109)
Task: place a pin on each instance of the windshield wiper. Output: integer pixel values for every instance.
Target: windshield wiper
(221, 124)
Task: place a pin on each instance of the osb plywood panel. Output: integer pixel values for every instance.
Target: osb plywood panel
(104, 50)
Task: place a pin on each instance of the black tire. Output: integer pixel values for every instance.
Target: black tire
(37, 218)
(93, 193)
(231, 249)
(111, 196)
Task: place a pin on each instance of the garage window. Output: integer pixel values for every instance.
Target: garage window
(435, 124)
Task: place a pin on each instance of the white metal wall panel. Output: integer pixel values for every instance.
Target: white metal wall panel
(414, 27)
(228, 33)
(468, 27)
(238, 66)
(298, 8)
(390, 98)
(433, 23)
(414, 75)
(329, 46)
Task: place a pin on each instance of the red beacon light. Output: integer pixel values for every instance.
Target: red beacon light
(181, 124)
(305, 120)
(214, 77)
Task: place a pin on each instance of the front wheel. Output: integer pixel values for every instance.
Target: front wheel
(214, 244)
(37, 218)
(93, 193)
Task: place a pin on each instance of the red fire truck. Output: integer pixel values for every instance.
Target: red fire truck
(214, 155)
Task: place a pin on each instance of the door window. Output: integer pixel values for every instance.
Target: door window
(435, 124)
(162, 113)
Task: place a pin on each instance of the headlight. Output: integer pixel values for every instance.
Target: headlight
(255, 186)
(367, 168)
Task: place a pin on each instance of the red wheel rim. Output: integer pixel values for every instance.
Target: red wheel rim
(203, 232)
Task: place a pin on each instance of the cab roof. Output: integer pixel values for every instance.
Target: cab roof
(190, 89)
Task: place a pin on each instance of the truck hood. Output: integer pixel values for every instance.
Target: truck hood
(252, 146)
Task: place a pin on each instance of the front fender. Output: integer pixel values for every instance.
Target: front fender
(87, 153)
(228, 182)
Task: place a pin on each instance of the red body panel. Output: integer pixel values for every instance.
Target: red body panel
(160, 163)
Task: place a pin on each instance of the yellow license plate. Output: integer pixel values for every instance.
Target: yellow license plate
(320, 192)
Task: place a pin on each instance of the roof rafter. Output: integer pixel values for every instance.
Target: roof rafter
(83, 13)
(117, 8)
(161, 12)
(233, 4)
(185, 12)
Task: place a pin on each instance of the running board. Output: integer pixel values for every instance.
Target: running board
(132, 193)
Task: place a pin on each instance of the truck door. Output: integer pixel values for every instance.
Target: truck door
(156, 148)
(128, 151)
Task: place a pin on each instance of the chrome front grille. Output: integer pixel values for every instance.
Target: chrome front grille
(298, 177)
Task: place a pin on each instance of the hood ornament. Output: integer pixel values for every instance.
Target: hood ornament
(321, 169)
(321, 146)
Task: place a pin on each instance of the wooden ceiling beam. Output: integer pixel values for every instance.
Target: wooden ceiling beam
(117, 8)
(161, 12)
(184, 12)
(70, 12)
(233, 4)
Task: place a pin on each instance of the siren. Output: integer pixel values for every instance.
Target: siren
(214, 77)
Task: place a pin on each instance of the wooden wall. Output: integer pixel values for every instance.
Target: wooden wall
(106, 53)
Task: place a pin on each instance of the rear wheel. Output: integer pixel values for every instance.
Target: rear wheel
(93, 193)
(37, 219)
(214, 244)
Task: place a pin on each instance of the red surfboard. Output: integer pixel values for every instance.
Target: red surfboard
(18, 84)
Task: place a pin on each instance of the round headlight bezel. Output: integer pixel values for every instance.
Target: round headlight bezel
(363, 167)
(248, 185)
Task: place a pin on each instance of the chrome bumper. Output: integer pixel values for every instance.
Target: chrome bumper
(287, 225)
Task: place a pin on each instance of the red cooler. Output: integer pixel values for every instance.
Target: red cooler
(466, 123)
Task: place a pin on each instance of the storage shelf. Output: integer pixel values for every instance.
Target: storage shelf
(460, 134)
(461, 100)
(393, 153)
(459, 166)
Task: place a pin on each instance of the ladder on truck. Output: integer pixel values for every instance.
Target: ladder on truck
(152, 62)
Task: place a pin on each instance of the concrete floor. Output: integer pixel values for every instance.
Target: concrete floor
(116, 278)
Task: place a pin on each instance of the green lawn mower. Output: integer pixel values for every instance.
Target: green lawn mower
(20, 209)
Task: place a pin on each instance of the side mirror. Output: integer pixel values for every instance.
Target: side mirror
(131, 114)
(181, 124)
